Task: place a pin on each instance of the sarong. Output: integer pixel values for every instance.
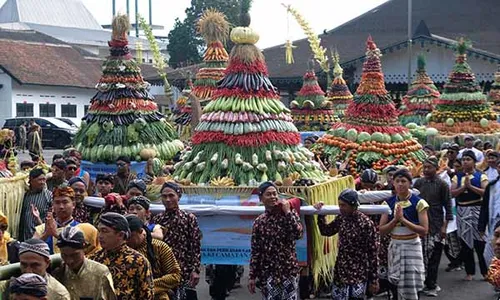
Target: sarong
(428, 243)
(347, 292)
(467, 220)
(453, 242)
(285, 290)
(406, 267)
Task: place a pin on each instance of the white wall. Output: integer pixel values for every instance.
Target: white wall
(440, 62)
(5, 96)
(53, 95)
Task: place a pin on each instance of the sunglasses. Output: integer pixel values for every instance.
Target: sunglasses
(72, 168)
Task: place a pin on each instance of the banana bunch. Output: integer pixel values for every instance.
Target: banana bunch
(153, 192)
(222, 181)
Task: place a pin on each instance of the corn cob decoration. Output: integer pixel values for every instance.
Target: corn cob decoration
(158, 58)
(314, 41)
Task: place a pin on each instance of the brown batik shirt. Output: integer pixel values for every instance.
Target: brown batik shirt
(183, 235)
(359, 241)
(273, 254)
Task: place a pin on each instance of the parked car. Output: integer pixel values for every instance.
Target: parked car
(69, 122)
(55, 133)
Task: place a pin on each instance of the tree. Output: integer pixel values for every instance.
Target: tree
(185, 44)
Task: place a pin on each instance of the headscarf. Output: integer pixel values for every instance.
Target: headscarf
(369, 176)
(36, 172)
(469, 153)
(117, 222)
(171, 185)
(64, 191)
(429, 147)
(264, 186)
(91, 235)
(140, 200)
(432, 160)
(76, 179)
(349, 196)
(4, 252)
(454, 147)
(71, 237)
(36, 246)
(29, 284)
(139, 184)
(468, 137)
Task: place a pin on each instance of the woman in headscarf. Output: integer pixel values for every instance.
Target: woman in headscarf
(406, 223)
(8, 246)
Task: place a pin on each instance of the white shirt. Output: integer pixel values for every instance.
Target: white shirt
(479, 154)
(492, 173)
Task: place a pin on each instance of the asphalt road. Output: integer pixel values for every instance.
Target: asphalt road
(453, 287)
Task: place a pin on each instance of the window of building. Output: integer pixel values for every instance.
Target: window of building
(24, 109)
(85, 109)
(47, 110)
(68, 111)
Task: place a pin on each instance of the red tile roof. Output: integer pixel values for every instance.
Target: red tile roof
(51, 64)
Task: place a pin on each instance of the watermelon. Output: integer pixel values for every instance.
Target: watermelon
(411, 125)
(387, 138)
(157, 166)
(377, 137)
(431, 131)
(340, 132)
(396, 138)
(364, 137)
(108, 153)
(484, 122)
(352, 134)
(450, 122)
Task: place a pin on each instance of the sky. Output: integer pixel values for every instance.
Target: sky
(269, 17)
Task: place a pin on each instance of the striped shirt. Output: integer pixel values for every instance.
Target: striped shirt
(166, 273)
(41, 200)
(437, 194)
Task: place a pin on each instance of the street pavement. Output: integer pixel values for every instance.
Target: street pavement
(452, 285)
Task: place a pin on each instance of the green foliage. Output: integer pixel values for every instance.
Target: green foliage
(245, 5)
(185, 44)
(421, 62)
(462, 45)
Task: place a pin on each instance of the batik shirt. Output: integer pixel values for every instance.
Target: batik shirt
(93, 280)
(183, 235)
(358, 246)
(166, 273)
(437, 194)
(273, 246)
(81, 213)
(131, 272)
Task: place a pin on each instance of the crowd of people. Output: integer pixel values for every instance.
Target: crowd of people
(122, 251)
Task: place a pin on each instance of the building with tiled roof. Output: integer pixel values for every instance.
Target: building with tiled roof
(66, 20)
(41, 76)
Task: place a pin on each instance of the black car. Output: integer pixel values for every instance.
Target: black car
(55, 133)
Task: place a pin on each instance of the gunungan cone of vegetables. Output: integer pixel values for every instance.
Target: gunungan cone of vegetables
(310, 110)
(245, 132)
(494, 94)
(339, 94)
(123, 119)
(421, 98)
(370, 135)
(462, 107)
(214, 28)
